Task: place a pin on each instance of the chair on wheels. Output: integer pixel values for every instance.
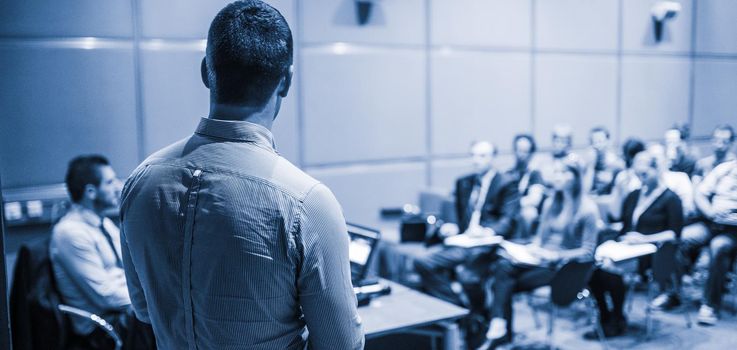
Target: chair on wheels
(568, 285)
(664, 271)
(38, 318)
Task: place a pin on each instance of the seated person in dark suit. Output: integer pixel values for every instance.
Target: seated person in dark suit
(651, 214)
(486, 204)
(568, 230)
(529, 185)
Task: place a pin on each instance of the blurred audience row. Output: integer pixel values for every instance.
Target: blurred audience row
(563, 205)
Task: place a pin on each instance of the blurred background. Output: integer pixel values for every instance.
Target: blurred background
(388, 93)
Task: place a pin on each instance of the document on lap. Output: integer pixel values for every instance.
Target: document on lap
(472, 241)
(618, 251)
(519, 254)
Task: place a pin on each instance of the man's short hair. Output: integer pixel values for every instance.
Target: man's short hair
(249, 50)
(529, 138)
(563, 131)
(83, 171)
(630, 149)
(726, 127)
(600, 129)
(683, 129)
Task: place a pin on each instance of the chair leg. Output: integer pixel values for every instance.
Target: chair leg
(597, 322)
(535, 316)
(551, 325)
(684, 306)
(648, 310)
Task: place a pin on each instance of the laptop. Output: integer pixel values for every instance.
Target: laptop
(362, 248)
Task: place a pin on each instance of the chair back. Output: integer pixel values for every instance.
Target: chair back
(36, 322)
(665, 263)
(570, 279)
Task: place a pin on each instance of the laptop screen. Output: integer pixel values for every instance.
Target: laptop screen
(361, 249)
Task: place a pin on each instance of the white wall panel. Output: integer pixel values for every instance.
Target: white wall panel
(478, 96)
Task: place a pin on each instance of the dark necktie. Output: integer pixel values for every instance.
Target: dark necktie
(118, 263)
(474, 197)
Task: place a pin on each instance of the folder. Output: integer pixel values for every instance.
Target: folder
(618, 251)
(519, 254)
(472, 241)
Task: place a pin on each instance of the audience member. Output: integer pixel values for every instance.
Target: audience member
(651, 214)
(226, 244)
(603, 165)
(568, 231)
(680, 157)
(529, 184)
(562, 142)
(716, 197)
(487, 202)
(86, 256)
(722, 140)
(626, 181)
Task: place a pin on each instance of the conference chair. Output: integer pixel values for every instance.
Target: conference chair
(568, 285)
(38, 318)
(664, 270)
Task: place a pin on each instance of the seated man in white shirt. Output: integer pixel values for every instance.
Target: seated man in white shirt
(85, 250)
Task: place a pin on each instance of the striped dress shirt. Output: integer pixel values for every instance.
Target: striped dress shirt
(86, 265)
(227, 245)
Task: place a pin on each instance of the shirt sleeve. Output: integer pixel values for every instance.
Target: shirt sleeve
(708, 185)
(324, 282)
(78, 255)
(134, 283)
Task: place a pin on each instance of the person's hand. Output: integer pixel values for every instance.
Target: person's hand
(479, 231)
(609, 266)
(448, 229)
(542, 253)
(633, 237)
(721, 215)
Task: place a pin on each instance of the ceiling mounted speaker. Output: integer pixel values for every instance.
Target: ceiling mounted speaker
(363, 11)
(660, 12)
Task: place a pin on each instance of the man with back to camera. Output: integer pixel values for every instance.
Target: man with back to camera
(86, 255)
(487, 202)
(226, 244)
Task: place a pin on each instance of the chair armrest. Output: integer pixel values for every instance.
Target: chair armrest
(97, 320)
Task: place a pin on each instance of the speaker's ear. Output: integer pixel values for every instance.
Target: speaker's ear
(205, 73)
(287, 82)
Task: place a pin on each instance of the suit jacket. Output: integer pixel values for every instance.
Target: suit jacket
(500, 206)
(665, 213)
(35, 319)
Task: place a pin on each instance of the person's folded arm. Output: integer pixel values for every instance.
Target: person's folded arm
(705, 190)
(324, 282)
(79, 257)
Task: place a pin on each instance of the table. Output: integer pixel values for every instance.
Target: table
(406, 309)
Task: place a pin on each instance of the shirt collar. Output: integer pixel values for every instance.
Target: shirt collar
(87, 215)
(236, 131)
